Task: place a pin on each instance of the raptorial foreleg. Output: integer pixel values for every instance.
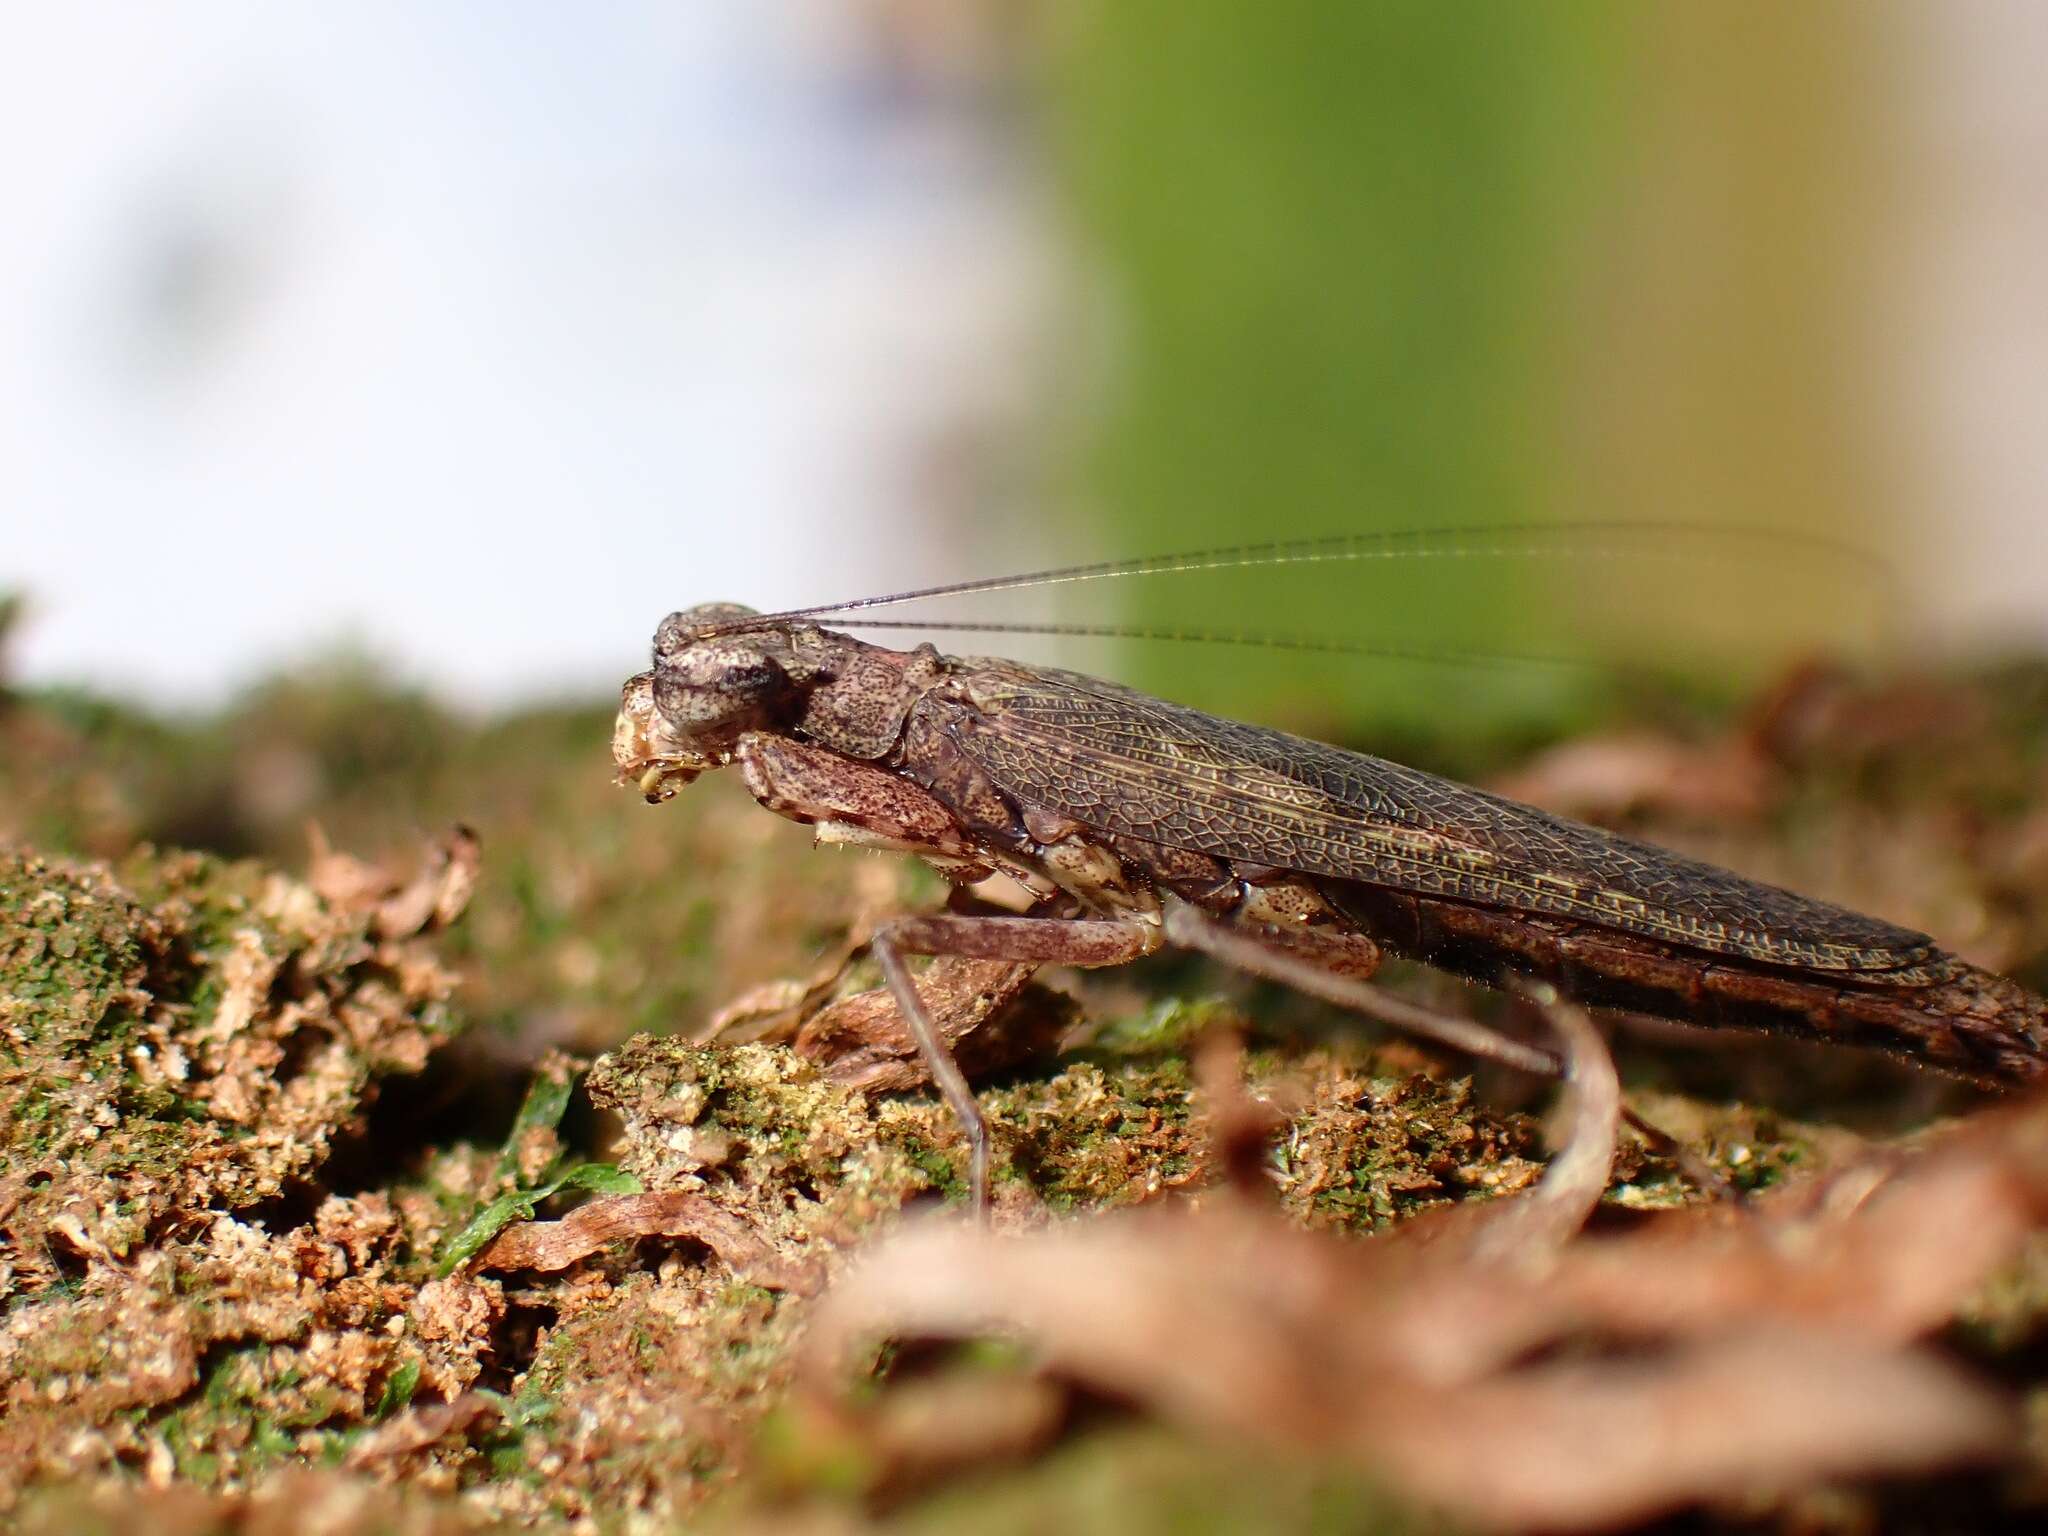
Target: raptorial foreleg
(1027, 940)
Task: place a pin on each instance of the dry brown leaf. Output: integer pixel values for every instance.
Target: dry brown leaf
(1584, 1446)
(1708, 1355)
(983, 1008)
(548, 1245)
(775, 1010)
(1240, 1126)
(1610, 778)
(417, 1428)
(1558, 1207)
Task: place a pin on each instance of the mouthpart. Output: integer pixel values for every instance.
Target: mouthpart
(649, 758)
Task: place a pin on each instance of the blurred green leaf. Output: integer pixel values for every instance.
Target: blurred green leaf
(399, 1387)
(546, 1101)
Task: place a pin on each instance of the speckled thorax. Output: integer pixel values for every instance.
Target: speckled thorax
(877, 756)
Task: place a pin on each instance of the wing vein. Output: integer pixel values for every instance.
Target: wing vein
(1157, 771)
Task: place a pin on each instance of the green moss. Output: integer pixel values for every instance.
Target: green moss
(252, 1408)
(1096, 1133)
(1370, 1142)
(1169, 1024)
(75, 948)
(130, 1100)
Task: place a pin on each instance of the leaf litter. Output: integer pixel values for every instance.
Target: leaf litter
(1490, 1362)
(715, 1282)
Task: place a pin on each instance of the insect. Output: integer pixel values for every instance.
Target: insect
(1133, 823)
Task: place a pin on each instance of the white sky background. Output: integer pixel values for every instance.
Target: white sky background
(483, 334)
(480, 334)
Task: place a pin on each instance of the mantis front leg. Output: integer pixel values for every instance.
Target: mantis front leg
(1024, 940)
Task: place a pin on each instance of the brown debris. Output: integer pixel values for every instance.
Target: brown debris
(1820, 708)
(1816, 710)
(329, 1502)
(1621, 1378)
(1240, 1125)
(1526, 1230)
(774, 1010)
(288, 1321)
(198, 1316)
(863, 1044)
(431, 900)
(186, 1041)
(549, 1245)
(218, 1026)
(454, 1322)
(415, 1429)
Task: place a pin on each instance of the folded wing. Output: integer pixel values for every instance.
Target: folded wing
(1143, 768)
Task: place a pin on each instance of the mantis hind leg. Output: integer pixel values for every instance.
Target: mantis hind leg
(1329, 967)
(1333, 967)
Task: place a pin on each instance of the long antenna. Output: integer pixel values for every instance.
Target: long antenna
(1575, 540)
(1264, 639)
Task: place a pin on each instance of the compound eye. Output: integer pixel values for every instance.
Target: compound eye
(684, 627)
(708, 686)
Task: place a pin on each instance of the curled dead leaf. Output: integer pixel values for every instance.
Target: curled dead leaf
(550, 1245)
(418, 1428)
(1709, 1354)
(986, 1009)
(1552, 1213)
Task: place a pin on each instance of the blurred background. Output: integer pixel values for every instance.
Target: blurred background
(372, 379)
(470, 339)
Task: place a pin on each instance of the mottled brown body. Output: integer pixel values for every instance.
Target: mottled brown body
(1102, 803)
